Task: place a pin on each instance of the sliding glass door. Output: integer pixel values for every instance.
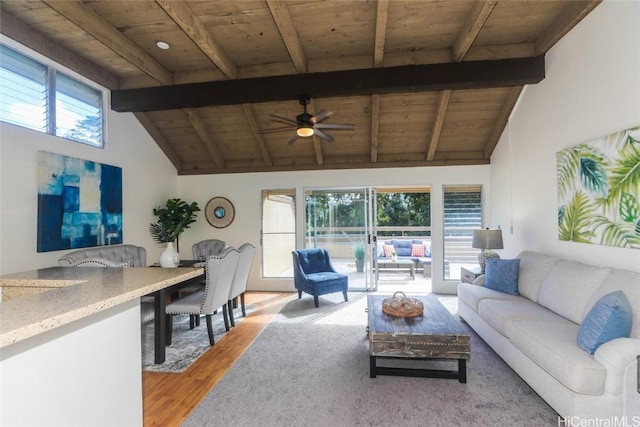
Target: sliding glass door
(343, 222)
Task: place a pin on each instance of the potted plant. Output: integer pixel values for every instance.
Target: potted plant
(358, 251)
(175, 217)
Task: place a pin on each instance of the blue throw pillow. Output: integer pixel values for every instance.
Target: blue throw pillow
(502, 275)
(608, 319)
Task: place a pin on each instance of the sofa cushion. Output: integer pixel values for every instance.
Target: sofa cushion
(471, 295)
(608, 319)
(417, 250)
(629, 283)
(552, 346)
(388, 249)
(403, 247)
(534, 267)
(502, 275)
(569, 286)
(500, 313)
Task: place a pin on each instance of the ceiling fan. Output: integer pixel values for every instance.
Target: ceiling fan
(306, 125)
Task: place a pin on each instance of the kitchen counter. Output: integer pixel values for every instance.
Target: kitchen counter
(70, 344)
(40, 300)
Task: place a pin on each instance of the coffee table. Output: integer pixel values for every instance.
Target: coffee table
(397, 264)
(435, 335)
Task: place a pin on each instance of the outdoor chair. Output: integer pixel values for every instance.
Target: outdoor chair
(314, 274)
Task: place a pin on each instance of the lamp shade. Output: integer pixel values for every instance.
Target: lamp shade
(304, 131)
(487, 239)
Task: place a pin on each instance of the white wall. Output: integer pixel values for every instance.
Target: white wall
(244, 191)
(591, 89)
(148, 180)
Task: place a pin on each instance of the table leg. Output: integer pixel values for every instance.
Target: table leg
(372, 367)
(462, 370)
(160, 326)
(413, 271)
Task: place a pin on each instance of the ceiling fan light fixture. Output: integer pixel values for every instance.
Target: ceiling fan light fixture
(304, 131)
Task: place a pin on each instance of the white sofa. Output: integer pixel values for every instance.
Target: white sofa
(536, 332)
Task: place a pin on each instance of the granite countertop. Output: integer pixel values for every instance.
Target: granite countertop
(56, 296)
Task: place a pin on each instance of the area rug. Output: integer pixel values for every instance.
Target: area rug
(187, 345)
(310, 367)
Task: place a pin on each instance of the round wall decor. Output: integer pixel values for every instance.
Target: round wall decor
(219, 212)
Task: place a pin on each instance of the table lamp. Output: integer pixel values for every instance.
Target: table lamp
(486, 240)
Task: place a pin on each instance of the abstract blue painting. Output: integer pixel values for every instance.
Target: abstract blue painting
(79, 203)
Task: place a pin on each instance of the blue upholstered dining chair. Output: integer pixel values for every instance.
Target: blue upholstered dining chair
(314, 274)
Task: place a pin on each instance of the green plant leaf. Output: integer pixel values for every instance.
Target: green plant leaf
(175, 217)
(569, 166)
(593, 176)
(575, 226)
(629, 207)
(624, 177)
(616, 234)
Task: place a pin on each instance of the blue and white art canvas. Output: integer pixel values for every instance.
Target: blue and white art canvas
(79, 203)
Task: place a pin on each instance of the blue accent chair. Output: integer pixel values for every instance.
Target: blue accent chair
(314, 274)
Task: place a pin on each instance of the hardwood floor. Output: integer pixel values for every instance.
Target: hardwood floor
(169, 398)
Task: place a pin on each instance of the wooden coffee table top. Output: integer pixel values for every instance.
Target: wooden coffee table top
(435, 334)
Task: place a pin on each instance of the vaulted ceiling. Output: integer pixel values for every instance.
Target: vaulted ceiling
(426, 83)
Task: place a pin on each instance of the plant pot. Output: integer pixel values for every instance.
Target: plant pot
(359, 265)
(169, 258)
(394, 258)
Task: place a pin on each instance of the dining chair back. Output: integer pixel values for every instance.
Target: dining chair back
(207, 248)
(219, 272)
(239, 285)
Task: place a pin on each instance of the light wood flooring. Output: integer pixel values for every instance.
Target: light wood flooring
(169, 398)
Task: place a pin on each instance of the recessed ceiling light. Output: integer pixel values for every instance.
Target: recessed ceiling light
(163, 45)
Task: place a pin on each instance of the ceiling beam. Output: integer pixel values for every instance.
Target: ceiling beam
(87, 20)
(17, 30)
(183, 16)
(573, 13)
(251, 119)
(410, 78)
(351, 162)
(381, 32)
(203, 133)
(284, 23)
(443, 103)
(375, 125)
(474, 23)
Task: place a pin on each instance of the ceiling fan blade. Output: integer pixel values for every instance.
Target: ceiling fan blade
(323, 135)
(342, 126)
(293, 138)
(279, 129)
(283, 119)
(322, 115)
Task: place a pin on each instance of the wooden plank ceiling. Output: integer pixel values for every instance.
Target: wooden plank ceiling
(431, 87)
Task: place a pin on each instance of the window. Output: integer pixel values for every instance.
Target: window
(38, 97)
(278, 232)
(462, 214)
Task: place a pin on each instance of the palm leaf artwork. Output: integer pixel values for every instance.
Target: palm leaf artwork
(623, 235)
(575, 223)
(599, 191)
(581, 161)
